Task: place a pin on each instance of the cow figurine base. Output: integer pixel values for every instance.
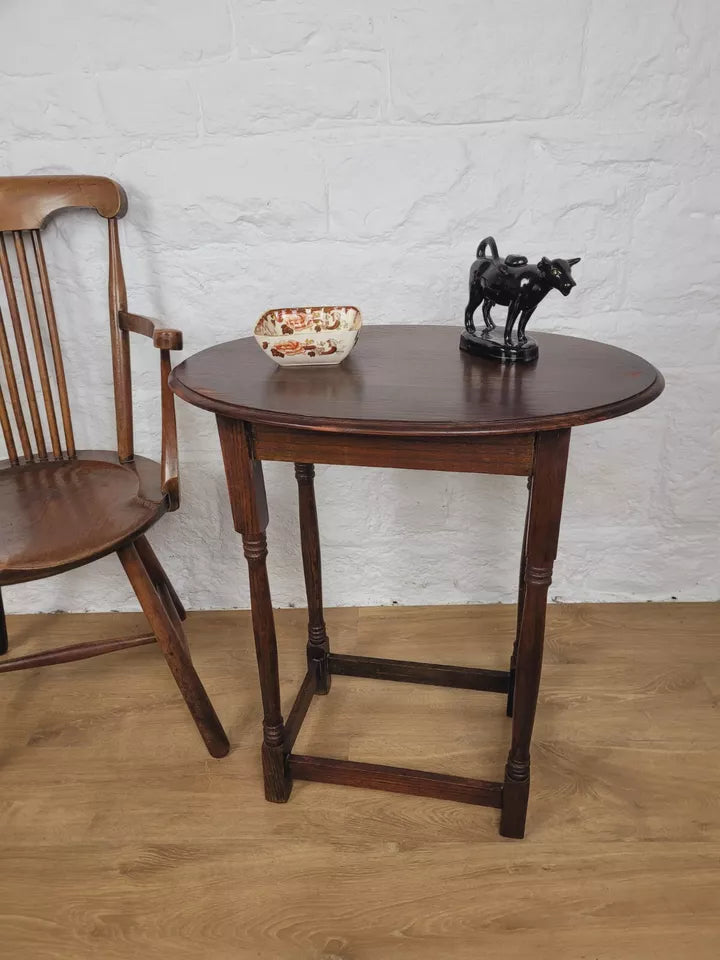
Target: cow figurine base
(491, 343)
(520, 286)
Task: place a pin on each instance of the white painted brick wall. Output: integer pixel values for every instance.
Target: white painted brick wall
(278, 152)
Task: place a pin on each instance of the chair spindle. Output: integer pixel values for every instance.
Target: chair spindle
(38, 344)
(14, 396)
(21, 347)
(54, 343)
(7, 431)
(34, 316)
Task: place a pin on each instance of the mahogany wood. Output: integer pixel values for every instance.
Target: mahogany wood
(250, 515)
(299, 709)
(74, 651)
(54, 343)
(406, 397)
(27, 202)
(173, 646)
(172, 612)
(7, 431)
(120, 343)
(408, 380)
(169, 462)
(376, 776)
(318, 645)
(544, 513)
(162, 337)
(165, 340)
(66, 513)
(14, 395)
(37, 342)
(406, 671)
(511, 456)
(59, 507)
(520, 602)
(136, 323)
(22, 352)
(157, 573)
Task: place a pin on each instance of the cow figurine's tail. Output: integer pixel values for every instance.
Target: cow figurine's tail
(487, 242)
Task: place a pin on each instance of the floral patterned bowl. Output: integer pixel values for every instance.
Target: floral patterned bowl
(308, 336)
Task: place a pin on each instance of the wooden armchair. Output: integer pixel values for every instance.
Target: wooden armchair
(60, 507)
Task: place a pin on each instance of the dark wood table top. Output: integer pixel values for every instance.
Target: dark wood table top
(413, 380)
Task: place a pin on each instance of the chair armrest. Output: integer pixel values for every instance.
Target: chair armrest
(165, 340)
(169, 466)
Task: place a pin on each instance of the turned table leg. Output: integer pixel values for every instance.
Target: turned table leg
(248, 503)
(520, 603)
(543, 525)
(318, 646)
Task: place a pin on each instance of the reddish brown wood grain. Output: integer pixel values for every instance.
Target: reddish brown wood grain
(318, 645)
(120, 343)
(7, 431)
(407, 671)
(32, 314)
(409, 380)
(73, 652)
(172, 643)
(63, 508)
(407, 397)
(250, 514)
(16, 405)
(66, 513)
(375, 776)
(540, 548)
(22, 351)
(510, 456)
(27, 202)
(54, 342)
(299, 709)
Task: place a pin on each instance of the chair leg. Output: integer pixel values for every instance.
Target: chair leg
(157, 574)
(172, 643)
(3, 628)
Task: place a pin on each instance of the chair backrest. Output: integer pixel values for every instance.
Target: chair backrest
(25, 205)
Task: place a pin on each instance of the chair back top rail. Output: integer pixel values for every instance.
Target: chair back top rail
(27, 202)
(34, 402)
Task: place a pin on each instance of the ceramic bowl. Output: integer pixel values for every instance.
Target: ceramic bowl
(308, 336)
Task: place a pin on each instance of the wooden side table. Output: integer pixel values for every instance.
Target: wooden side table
(407, 397)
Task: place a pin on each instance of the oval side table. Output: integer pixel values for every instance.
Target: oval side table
(407, 397)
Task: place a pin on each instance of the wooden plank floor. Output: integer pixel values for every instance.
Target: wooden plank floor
(121, 838)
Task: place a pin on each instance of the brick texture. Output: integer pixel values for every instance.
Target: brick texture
(281, 153)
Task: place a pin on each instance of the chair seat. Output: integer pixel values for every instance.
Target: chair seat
(55, 515)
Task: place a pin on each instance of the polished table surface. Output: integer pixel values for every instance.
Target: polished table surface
(410, 379)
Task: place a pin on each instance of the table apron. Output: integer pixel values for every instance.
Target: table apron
(510, 455)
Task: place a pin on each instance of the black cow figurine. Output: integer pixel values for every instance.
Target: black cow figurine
(517, 285)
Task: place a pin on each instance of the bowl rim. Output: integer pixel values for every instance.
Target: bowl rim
(327, 306)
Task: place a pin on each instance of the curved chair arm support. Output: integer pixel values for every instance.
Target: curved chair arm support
(165, 340)
(162, 337)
